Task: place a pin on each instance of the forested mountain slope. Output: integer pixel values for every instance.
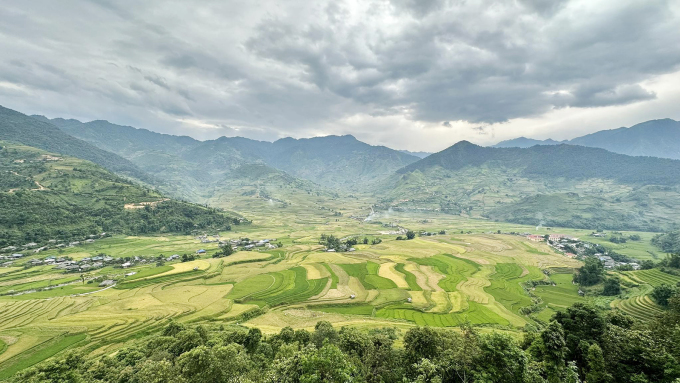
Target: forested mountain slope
(199, 166)
(20, 128)
(563, 185)
(47, 196)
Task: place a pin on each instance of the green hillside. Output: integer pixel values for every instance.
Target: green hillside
(561, 185)
(22, 129)
(334, 161)
(49, 196)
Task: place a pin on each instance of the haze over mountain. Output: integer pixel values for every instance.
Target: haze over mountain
(655, 138)
(417, 154)
(561, 185)
(331, 161)
(567, 185)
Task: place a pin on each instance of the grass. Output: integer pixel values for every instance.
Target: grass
(477, 314)
(562, 295)
(148, 272)
(506, 286)
(653, 277)
(641, 307)
(347, 309)
(452, 279)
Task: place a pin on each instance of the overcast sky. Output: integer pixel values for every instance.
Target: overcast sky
(409, 74)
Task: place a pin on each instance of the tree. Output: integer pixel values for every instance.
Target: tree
(324, 331)
(421, 342)
(590, 273)
(554, 351)
(612, 286)
(663, 293)
(647, 265)
(225, 251)
(410, 234)
(597, 370)
(252, 340)
(199, 365)
(674, 261)
(327, 365)
(500, 360)
(365, 241)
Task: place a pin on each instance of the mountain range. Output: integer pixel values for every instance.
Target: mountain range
(655, 138)
(558, 184)
(338, 162)
(563, 185)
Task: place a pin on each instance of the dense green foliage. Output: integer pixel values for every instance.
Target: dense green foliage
(70, 198)
(590, 273)
(579, 344)
(668, 242)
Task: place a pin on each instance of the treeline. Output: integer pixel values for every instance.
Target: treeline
(41, 216)
(668, 242)
(581, 344)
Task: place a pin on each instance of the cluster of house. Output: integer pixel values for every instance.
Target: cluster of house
(342, 248)
(567, 244)
(206, 239)
(247, 244)
(34, 248)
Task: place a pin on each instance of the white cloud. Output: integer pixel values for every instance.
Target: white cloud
(416, 75)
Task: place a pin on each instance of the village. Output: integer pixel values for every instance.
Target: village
(13, 255)
(578, 249)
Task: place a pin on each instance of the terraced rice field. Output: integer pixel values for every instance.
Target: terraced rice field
(653, 277)
(441, 281)
(641, 307)
(561, 296)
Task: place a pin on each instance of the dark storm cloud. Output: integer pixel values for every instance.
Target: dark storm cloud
(485, 62)
(272, 69)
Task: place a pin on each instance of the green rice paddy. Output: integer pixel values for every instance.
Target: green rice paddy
(445, 280)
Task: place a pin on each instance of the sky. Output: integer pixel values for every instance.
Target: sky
(408, 74)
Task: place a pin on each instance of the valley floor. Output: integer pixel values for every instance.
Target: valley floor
(471, 274)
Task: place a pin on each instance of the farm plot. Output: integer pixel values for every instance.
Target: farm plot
(455, 270)
(274, 289)
(506, 285)
(653, 277)
(367, 274)
(409, 277)
(562, 295)
(641, 307)
(476, 314)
